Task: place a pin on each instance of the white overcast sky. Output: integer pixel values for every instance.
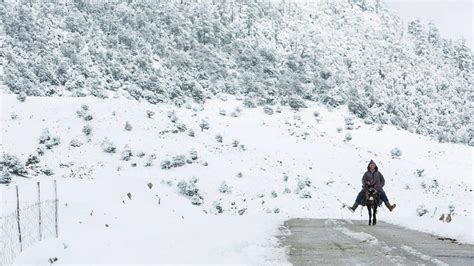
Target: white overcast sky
(454, 18)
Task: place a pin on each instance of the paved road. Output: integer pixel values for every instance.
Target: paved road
(346, 242)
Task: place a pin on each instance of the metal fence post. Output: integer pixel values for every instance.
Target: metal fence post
(18, 217)
(39, 212)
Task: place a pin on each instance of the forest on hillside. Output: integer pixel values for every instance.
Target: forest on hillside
(346, 52)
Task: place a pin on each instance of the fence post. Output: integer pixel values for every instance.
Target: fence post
(56, 207)
(18, 217)
(39, 212)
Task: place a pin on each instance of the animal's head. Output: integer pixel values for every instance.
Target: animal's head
(371, 194)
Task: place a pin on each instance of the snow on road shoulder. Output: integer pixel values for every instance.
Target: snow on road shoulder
(422, 256)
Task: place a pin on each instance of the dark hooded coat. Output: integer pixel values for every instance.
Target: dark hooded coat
(375, 179)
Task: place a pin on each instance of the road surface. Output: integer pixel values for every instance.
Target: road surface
(347, 242)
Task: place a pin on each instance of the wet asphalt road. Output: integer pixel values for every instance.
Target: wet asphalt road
(347, 242)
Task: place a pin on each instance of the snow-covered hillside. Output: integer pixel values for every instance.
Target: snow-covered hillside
(339, 52)
(253, 169)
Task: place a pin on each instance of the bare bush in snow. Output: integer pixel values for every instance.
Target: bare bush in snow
(396, 153)
(108, 146)
(48, 140)
(128, 126)
(224, 188)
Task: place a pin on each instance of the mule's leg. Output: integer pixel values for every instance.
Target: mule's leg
(374, 222)
(369, 208)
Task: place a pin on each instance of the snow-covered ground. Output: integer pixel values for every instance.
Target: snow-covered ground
(290, 164)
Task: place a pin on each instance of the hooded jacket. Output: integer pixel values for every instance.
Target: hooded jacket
(376, 178)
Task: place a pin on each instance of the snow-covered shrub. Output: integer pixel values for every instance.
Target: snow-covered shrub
(204, 124)
(140, 154)
(287, 190)
(305, 194)
(166, 164)
(197, 199)
(274, 194)
(349, 122)
(368, 121)
(358, 108)
(316, 113)
(285, 178)
(419, 172)
(87, 130)
(40, 150)
(296, 103)
(451, 208)
(48, 140)
(222, 112)
(80, 172)
(128, 126)
(193, 154)
(235, 143)
(175, 161)
(217, 205)
(219, 138)
(150, 159)
(108, 146)
(188, 188)
(150, 113)
(126, 153)
(348, 137)
(249, 102)
(13, 116)
(423, 185)
(432, 187)
(236, 112)
(339, 129)
(21, 97)
(421, 210)
(178, 160)
(47, 171)
(278, 109)
(5, 177)
(396, 153)
(239, 175)
(32, 159)
(224, 188)
(181, 127)
(84, 113)
(13, 164)
(302, 183)
(267, 110)
(45, 136)
(75, 143)
(379, 127)
(191, 133)
(172, 116)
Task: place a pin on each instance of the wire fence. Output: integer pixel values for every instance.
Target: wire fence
(26, 225)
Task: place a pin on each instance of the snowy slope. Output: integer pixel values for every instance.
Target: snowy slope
(161, 225)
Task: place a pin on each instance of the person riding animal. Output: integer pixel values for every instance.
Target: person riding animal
(372, 178)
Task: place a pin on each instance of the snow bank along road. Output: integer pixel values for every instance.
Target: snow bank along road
(347, 242)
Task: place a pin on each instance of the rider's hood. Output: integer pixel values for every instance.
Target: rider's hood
(376, 168)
